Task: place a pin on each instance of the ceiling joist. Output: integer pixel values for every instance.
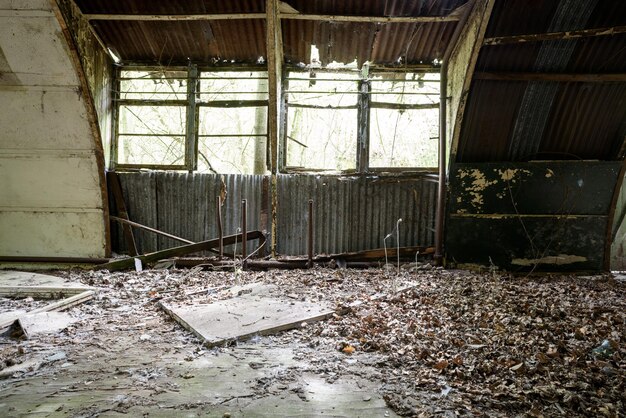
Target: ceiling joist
(555, 36)
(292, 16)
(145, 17)
(558, 77)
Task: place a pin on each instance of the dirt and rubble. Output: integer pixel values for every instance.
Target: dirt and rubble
(410, 342)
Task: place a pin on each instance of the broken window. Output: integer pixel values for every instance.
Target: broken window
(212, 121)
(343, 121)
(151, 115)
(232, 122)
(404, 120)
(322, 121)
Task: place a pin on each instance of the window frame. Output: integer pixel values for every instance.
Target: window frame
(364, 106)
(192, 104)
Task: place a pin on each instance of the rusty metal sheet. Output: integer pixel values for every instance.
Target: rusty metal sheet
(243, 40)
(354, 213)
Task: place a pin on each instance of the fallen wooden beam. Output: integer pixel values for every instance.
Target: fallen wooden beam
(125, 263)
(57, 306)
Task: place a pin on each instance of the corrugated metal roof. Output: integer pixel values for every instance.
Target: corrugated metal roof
(244, 40)
(521, 120)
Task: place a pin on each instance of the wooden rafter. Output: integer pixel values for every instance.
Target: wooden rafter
(371, 19)
(292, 16)
(144, 17)
(561, 77)
(555, 36)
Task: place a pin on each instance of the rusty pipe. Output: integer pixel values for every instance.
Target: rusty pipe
(244, 228)
(147, 228)
(220, 231)
(310, 236)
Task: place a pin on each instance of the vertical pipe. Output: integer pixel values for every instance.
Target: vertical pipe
(220, 231)
(244, 231)
(310, 244)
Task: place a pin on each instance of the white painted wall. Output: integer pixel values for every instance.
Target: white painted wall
(51, 201)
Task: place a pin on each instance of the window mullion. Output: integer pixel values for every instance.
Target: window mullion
(191, 156)
(363, 131)
(115, 121)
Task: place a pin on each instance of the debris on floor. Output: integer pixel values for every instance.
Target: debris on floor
(419, 342)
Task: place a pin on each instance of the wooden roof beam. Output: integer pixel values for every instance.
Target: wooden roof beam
(293, 16)
(182, 17)
(555, 36)
(558, 77)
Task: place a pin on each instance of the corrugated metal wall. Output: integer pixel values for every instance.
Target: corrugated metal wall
(354, 213)
(351, 213)
(185, 205)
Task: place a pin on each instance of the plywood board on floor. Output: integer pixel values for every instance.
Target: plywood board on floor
(23, 284)
(44, 323)
(243, 317)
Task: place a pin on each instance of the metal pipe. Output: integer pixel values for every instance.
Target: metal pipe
(244, 228)
(310, 244)
(147, 228)
(220, 231)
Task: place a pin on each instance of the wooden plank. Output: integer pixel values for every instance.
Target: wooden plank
(178, 251)
(558, 77)
(553, 36)
(243, 317)
(44, 323)
(24, 284)
(53, 307)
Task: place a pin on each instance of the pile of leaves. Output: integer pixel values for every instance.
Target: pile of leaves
(538, 346)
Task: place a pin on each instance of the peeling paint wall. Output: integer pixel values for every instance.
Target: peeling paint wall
(537, 215)
(51, 201)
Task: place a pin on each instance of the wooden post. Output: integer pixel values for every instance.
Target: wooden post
(274, 47)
